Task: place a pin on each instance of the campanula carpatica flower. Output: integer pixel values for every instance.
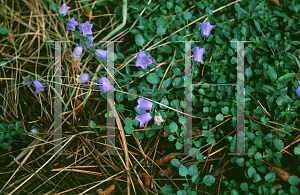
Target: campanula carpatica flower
(78, 51)
(38, 86)
(90, 43)
(101, 53)
(298, 91)
(85, 77)
(143, 118)
(206, 28)
(143, 104)
(86, 28)
(143, 60)
(198, 53)
(71, 25)
(63, 10)
(105, 85)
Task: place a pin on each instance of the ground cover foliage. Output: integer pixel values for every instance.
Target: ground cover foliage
(149, 164)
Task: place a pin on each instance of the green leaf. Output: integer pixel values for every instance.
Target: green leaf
(178, 10)
(173, 127)
(187, 15)
(244, 186)
(293, 180)
(257, 25)
(193, 170)
(248, 72)
(150, 133)
(219, 117)
(200, 157)
(166, 83)
(153, 78)
(120, 108)
(240, 162)
(5, 145)
(251, 171)
(169, 5)
(257, 178)
(178, 145)
(49, 42)
(171, 138)
(208, 180)
(129, 129)
(175, 162)
(167, 189)
(128, 121)
(160, 30)
(183, 171)
(3, 63)
(207, 134)
(272, 73)
(195, 178)
(278, 144)
(92, 124)
(286, 77)
(139, 40)
(270, 177)
(132, 97)
(139, 136)
(3, 30)
(294, 190)
(297, 150)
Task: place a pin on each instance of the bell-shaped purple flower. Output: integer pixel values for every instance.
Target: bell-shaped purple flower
(78, 51)
(143, 60)
(101, 53)
(71, 25)
(63, 10)
(38, 86)
(90, 43)
(85, 77)
(198, 53)
(206, 28)
(105, 85)
(86, 28)
(298, 91)
(143, 118)
(143, 104)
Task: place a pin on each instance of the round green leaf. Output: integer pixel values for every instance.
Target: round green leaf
(139, 40)
(175, 162)
(183, 171)
(219, 117)
(244, 186)
(153, 78)
(270, 177)
(92, 124)
(3, 30)
(278, 144)
(208, 180)
(293, 180)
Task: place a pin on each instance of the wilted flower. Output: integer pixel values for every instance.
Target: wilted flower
(143, 118)
(158, 119)
(143, 60)
(90, 43)
(86, 28)
(101, 53)
(78, 51)
(63, 10)
(38, 86)
(105, 85)
(298, 91)
(198, 53)
(143, 104)
(206, 28)
(71, 25)
(85, 77)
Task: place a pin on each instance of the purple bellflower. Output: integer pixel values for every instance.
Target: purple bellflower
(143, 60)
(38, 86)
(86, 28)
(90, 43)
(101, 53)
(71, 25)
(143, 118)
(206, 28)
(198, 53)
(298, 91)
(143, 104)
(63, 10)
(105, 85)
(78, 51)
(85, 77)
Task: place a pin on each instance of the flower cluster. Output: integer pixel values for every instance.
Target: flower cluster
(143, 105)
(205, 31)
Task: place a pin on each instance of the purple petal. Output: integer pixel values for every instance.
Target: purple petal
(70, 26)
(298, 91)
(78, 51)
(85, 77)
(143, 118)
(144, 104)
(105, 85)
(140, 55)
(38, 86)
(101, 53)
